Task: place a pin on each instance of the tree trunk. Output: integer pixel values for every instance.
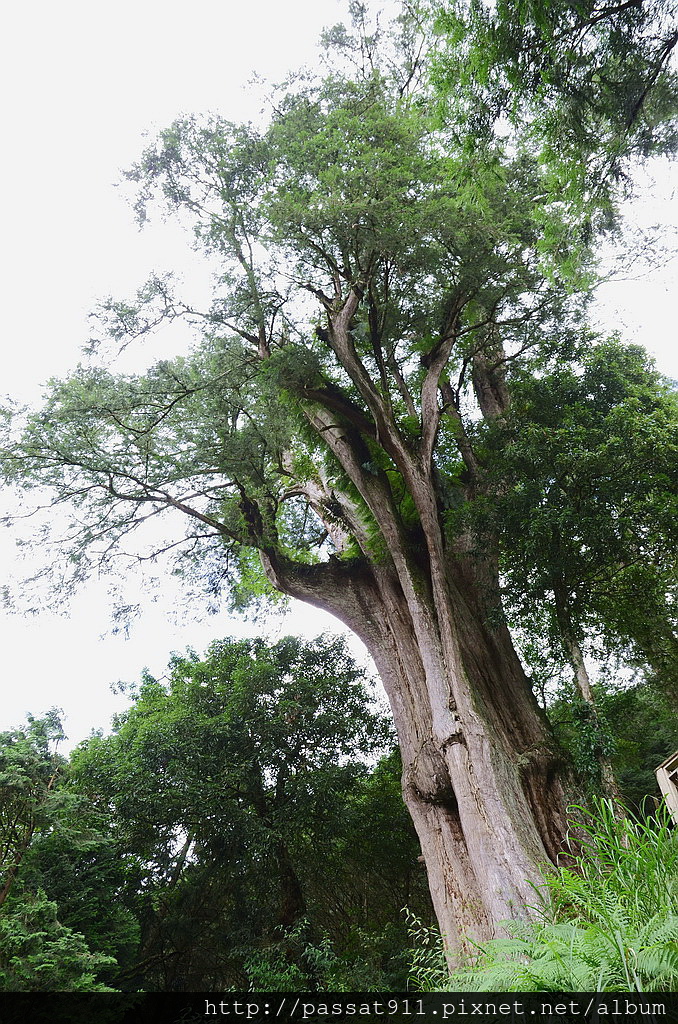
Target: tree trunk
(292, 903)
(481, 773)
(582, 682)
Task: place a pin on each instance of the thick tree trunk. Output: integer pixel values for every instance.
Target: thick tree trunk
(481, 773)
(480, 778)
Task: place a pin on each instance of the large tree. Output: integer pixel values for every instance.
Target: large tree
(376, 283)
(42, 824)
(29, 770)
(587, 457)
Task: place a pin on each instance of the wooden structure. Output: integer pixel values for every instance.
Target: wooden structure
(667, 777)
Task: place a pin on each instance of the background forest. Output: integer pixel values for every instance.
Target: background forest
(395, 410)
(243, 826)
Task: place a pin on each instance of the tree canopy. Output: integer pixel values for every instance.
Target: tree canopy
(589, 86)
(241, 825)
(594, 445)
(39, 820)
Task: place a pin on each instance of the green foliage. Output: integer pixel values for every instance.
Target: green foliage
(352, 185)
(591, 740)
(634, 863)
(357, 189)
(38, 954)
(429, 968)
(608, 919)
(253, 838)
(374, 871)
(589, 459)
(271, 970)
(588, 86)
(392, 380)
(250, 591)
(29, 797)
(634, 725)
(620, 955)
(245, 734)
(56, 853)
(79, 864)
(376, 962)
(645, 728)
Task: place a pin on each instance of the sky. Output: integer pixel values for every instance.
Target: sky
(82, 84)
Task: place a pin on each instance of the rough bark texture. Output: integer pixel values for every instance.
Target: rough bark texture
(481, 774)
(480, 771)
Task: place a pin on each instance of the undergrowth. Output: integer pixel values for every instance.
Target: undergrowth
(606, 922)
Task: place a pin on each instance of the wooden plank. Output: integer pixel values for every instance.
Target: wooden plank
(667, 777)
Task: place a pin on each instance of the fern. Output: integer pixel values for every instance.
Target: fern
(607, 923)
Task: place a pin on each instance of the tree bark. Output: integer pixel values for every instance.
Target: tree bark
(481, 772)
(482, 776)
(292, 903)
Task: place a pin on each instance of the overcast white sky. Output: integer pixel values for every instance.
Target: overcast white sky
(81, 83)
